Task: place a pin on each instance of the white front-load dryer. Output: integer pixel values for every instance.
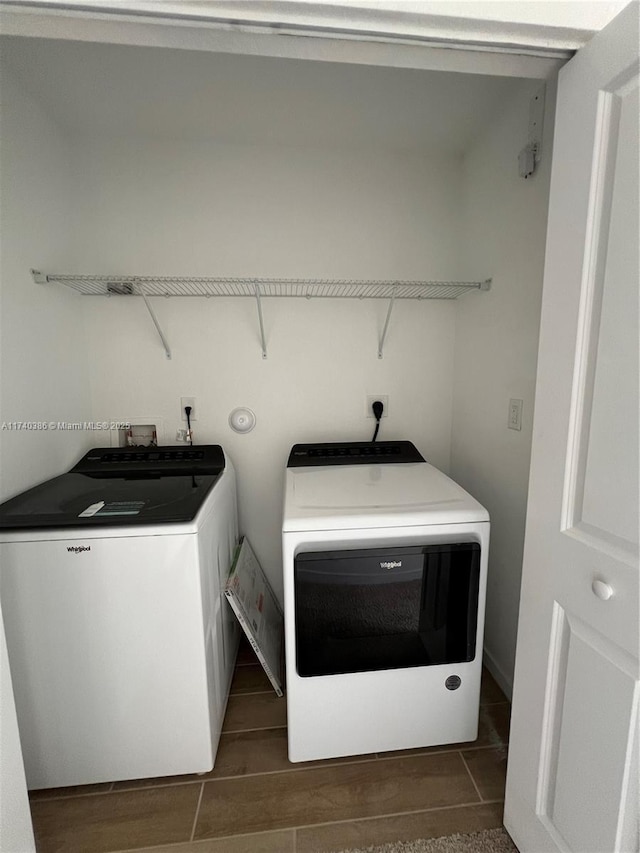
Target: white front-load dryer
(385, 569)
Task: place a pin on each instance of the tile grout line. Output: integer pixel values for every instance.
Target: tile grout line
(288, 770)
(392, 814)
(295, 829)
(418, 754)
(244, 731)
(175, 782)
(200, 842)
(384, 816)
(471, 777)
(293, 769)
(254, 693)
(197, 814)
(347, 763)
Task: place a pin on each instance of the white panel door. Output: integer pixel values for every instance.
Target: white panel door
(572, 782)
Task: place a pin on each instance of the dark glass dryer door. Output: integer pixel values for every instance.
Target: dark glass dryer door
(376, 609)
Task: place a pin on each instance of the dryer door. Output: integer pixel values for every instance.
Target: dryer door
(390, 608)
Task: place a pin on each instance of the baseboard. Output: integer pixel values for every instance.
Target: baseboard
(504, 682)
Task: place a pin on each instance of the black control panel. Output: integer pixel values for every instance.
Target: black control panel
(353, 453)
(109, 461)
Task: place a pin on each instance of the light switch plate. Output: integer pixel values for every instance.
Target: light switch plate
(515, 414)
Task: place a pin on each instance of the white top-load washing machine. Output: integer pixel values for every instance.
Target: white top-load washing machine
(121, 644)
(385, 567)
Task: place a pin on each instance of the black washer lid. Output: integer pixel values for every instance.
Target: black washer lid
(120, 486)
(86, 500)
(353, 453)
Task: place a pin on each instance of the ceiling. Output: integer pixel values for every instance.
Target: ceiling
(567, 24)
(121, 90)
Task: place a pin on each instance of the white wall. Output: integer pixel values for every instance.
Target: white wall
(16, 832)
(496, 352)
(149, 207)
(43, 370)
(42, 361)
(158, 208)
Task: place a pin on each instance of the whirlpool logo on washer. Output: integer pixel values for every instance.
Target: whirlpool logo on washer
(392, 564)
(78, 549)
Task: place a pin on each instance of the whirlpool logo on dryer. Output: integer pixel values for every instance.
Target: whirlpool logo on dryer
(78, 549)
(392, 564)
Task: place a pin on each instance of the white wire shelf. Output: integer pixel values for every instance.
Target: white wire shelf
(310, 288)
(168, 286)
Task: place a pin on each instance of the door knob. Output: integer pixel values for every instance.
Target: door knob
(603, 590)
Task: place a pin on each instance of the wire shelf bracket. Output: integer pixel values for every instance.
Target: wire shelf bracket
(260, 320)
(257, 288)
(167, 350)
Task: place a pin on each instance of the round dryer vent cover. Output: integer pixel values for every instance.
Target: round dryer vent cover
(242, 420)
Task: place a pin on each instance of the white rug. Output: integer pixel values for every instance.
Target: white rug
(487, 841)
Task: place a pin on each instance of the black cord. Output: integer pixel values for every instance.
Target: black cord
(378, 408)
(187, 410)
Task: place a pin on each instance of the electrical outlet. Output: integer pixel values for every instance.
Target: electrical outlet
(515, 414)
(384, 399)
(182, 434)
(188, 401)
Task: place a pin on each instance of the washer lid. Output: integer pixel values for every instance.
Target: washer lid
(120, 487)
(85, 500)
(356, 496)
